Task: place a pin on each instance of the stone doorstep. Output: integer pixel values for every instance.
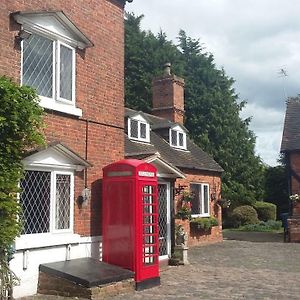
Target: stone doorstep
(52, 285)
(84, 278)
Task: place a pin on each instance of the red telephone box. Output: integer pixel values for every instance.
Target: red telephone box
(130, 219)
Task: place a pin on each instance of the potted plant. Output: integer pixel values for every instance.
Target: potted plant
(203, 224)
(184, 209)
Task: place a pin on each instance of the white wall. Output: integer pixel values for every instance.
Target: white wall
(25, 263)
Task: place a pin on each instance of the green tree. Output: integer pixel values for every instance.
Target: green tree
(20, 121)
(145, 55)
(211, 104)
(276, 188)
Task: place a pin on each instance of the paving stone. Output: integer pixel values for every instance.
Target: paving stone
(234, 269)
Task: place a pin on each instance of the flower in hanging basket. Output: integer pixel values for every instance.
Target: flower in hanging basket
(184, 209)
(295, 197)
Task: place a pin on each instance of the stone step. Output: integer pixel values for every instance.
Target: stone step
(84, 278)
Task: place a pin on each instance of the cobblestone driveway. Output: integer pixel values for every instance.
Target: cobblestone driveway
(234, 269)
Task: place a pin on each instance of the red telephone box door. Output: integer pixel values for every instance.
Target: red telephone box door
(148, 266)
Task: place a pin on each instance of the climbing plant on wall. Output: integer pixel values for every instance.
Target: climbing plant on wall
(21, 120)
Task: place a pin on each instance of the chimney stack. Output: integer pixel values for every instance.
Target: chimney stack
(168, 96)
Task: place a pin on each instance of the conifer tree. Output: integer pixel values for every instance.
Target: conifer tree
(211, 103)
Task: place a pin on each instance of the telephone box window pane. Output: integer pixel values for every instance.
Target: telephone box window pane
(148, 209)
(62, 206)
(143, 130)
(35, 201)
(148, 199)
(66, 72)
(38, 64)
(148, 189)
(148, 219)
(134, 129)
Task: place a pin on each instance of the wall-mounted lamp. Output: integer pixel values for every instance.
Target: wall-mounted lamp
(86, 195)
(23, 35)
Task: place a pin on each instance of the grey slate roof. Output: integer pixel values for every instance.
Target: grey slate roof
(291, 131)
(193, 158)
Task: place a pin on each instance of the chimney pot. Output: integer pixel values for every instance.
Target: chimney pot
(167, 69)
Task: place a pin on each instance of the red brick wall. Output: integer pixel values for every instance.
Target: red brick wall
(99, 90)
(214, 181)
(168, 92)
(295, 166)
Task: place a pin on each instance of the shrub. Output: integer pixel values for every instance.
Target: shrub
(20, 122)
(266, 211)
(263, 226)
(203, 223)
(243, 215)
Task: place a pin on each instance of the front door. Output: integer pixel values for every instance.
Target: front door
(164, 220)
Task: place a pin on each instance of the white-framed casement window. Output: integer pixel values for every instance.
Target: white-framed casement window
(49, 41)
(201, 199)
(177, 137)
(48, 65)
(47, 201)
(138, 129)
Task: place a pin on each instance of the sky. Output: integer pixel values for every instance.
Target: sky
(253, 41)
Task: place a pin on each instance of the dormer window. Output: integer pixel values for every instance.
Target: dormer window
(48, 44)
(138, 129)
(177, 138)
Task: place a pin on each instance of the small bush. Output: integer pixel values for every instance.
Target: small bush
(243, 215)
(203, 223)
(266, 211)
(263, 226)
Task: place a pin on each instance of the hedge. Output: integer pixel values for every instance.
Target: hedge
(266, 211)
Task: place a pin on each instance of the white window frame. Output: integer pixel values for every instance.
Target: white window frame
(56, 102)
(72, 101)
(178, 131)
(52, 229)
(140, 121)
(202, 197)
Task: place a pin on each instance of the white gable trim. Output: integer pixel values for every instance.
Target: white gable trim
(57, 156)
(178, 128)
(165, 169)
(53, 24)
(139, 117)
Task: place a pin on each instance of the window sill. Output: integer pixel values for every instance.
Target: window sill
(42, 240)
(200, 216)
(60, 107)
(184, 149)
(142, 141)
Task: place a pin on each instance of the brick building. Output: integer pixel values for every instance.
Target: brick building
(72, 53)
(290, 147)
(161, 138)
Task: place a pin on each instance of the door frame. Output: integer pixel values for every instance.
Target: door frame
(168, 184)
